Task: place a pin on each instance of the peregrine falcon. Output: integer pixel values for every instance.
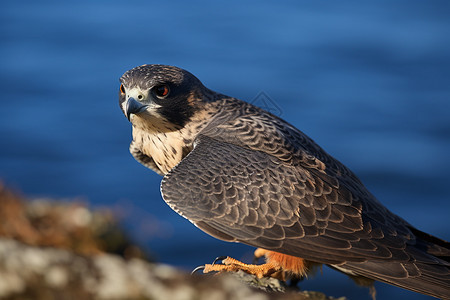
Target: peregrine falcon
(242, 174)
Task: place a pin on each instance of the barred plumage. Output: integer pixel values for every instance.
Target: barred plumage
(242, 174)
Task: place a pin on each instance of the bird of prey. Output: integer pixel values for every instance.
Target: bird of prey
(242, 174)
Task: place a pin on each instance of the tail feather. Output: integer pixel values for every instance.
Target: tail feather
(426, 285)
(427, 271)
(432, 245)
(434, 280)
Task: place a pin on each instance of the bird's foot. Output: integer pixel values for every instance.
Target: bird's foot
(233, 265)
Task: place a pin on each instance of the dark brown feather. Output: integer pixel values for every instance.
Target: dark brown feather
(323, 212)
(252, 177)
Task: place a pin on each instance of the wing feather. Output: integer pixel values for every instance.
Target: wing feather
(259, 181)
(244, 207)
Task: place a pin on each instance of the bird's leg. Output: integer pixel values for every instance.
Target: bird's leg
(260, 252)
(233, 265)
(277, 265)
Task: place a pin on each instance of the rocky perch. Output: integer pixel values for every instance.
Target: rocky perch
(53, 250)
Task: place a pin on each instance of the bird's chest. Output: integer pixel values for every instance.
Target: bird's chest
(166, 149)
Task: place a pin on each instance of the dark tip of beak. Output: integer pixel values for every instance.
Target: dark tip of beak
(134, 107)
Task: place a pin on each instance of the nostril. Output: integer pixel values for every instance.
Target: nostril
(140, 97)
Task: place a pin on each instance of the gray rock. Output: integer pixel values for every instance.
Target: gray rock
(30, 272)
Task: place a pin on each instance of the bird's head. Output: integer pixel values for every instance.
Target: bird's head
(164, 96)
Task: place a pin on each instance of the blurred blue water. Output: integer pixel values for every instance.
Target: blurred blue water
(369, 82)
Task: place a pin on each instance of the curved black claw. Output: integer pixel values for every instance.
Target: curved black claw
(197, 269)
(218, 258)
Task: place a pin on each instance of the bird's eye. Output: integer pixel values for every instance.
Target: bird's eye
(122, 89)
(161, 90)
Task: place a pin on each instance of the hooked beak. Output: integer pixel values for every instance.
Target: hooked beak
(134, 107)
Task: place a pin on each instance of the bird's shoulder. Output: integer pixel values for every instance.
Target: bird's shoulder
(248, 126)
